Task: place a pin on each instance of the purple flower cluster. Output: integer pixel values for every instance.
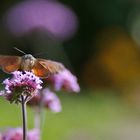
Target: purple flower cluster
(51, 101)
(17, 134)
(65, 80)
(12, 134)
(25, 80)
(33, 134)
(25, 83)
(51, 16)
(47, 99)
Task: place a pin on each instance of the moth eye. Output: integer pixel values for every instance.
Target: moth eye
(32, 62)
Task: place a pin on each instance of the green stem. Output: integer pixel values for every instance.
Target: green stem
(37, 118)
(24, 117)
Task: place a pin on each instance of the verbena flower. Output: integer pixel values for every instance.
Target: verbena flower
(1, 136)
(65, 80)
(48, 99)
(50, 16)
(13, 134)
(22, 83)
(33, 134)
(51, 101)
(17, 134)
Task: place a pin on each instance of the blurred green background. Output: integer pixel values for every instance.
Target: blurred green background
(101, 46)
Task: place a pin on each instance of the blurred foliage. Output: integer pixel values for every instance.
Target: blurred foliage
(118, 59)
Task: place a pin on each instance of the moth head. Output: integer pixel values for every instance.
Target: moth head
(28, 59)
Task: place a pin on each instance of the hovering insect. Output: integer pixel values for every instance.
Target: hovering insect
(40, 67)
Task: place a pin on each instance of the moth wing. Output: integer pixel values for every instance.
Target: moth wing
(10, 63)
(43, 67)
(51, 66)
(39, 70)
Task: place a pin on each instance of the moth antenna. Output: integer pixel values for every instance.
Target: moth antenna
(19, 50)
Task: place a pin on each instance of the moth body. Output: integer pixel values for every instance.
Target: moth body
(27, 62)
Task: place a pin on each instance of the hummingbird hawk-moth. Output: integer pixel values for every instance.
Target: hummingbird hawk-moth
(40, 67)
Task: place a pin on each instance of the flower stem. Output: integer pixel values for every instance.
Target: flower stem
(24, 117)
(37, 118)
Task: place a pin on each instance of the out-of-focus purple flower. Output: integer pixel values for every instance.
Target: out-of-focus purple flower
(47, 99)
(1, 136)
(13, 134)
(17, 134)
(54, 17)
(51, 101)
(25, 83)
(66, 80)
(33, 134)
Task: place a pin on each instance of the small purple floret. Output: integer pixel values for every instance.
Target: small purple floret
(51, 101)
(65, 80)
(17, 134)
(13, 134)
(48, 99)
